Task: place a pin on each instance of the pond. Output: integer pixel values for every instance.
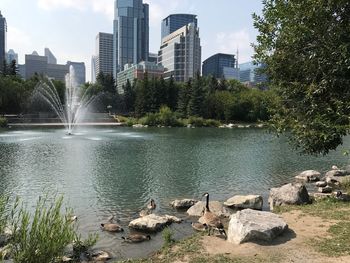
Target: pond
(102, 171)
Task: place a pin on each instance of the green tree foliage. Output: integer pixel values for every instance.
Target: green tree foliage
(196, 97)
(305, 46)
(129, 97)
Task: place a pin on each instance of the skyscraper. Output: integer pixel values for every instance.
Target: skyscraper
(221, 66)
(102, 61)
(130, 34)
(51, 59)
(3, 31)
(79, 70)
(11, 55)
(180, 53)
(176, 21)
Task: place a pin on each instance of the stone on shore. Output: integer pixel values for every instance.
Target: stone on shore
(245, 201)
(183, 204)
(321, 196)
(251, 225)
(214, 206)
(309, 176)
(337, 179)
(325, 190)
(289, 194)
(153, 223)
(336, 173)
(321, 184)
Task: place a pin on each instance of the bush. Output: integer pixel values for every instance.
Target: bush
(3, 122)
(44, 236)
(167, 118)
(167, 235)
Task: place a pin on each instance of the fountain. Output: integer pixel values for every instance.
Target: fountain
(76, 103)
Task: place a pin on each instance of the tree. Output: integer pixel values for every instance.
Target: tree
(195, 104)
(129, 97)
(107, 82)
(305, 47)
(13, 70)
(184, 97)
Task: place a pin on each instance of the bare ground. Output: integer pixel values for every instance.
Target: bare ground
(294, 246)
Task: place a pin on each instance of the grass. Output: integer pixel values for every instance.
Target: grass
(3, 122)
(338, 244)
(345, 185)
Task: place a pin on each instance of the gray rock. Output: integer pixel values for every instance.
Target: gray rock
(336, 173)
(308, 176)
(214, 206)
(325, 190)
(153, 223)
(321, 184)
(337, 179)
(251, 225)
(183, 204)
(245, 201)
(289, 194)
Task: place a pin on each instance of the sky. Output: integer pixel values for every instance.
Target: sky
(69, 27)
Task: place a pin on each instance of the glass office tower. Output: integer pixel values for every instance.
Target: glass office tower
(177, 21)
(130, 34)
(3, 31)
(220, 66)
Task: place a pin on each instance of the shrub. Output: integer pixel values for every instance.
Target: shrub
(167, 118)
(43, 236)
(151, 119)
(167, 235)
(3, 122)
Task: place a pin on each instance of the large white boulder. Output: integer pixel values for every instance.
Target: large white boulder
(245, 201)
(251, 225)
(336, 173)
(153, 223)
(214, 206)
(308, 176)
(289, 194)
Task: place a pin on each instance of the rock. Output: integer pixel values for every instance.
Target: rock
(347, 169)
(214, 206)
(289, 194)
(139, 126)
(325, 190)
(337, 179)
(321, 184)
(153, 223)
(309, 176)
(4, 239)
(336, 173)
(67, 259)
(334, 167)
(183, 204)
(243, 202)
(251, 225)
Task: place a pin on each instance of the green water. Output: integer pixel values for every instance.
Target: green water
(116, 171)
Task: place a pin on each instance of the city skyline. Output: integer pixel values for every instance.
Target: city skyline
(223, 27)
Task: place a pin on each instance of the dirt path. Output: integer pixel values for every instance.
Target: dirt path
(293, 246)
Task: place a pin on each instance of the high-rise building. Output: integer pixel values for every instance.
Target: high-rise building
(3, 32)
(176, 21)
(221, 66)
(180, 53)
(102, 61)
(35, 64)
(153, 57)
(11, 55)
(51, 59)
(250, 73)
(130, 34)
(132, 72)
(79, 71)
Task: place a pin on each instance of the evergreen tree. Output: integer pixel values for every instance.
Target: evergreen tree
(129, 97)
(196, 101)
(184, 97)
(13, 68)
(172, 94)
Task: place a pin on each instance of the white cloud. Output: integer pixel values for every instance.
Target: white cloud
(19, 40)
(228, 42)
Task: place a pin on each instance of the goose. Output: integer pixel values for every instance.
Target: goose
(110, 227)
(152, 205)
(199, 227)
(210, 219)
(149, 209)
(136, 238)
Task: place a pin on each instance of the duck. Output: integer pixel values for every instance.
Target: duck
(210, 219)
(136, 238)
(199, 227)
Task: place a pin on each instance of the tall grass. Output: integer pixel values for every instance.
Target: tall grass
(3, 122)
(42, 237)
